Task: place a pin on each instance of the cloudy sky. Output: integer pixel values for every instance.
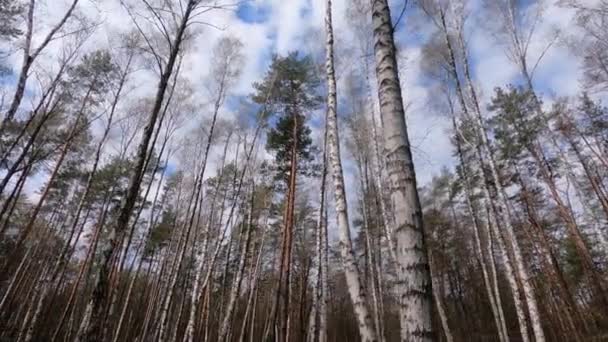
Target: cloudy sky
(278, 26)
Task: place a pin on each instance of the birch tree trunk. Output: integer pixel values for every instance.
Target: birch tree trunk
(501, 209)
(29, 56)
(313, 327)
(415, 294)
(198, 261)
(323, 310)
(67, 252)
(152, 222)
(250, 309)
(497, 310)
(236, 286)
(370, 260)
(439, 304)
(98, 298)
(351, 271)
(85, 265)
(63, 153)
(387, 225)
(509, 272)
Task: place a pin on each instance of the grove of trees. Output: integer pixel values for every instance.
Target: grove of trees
(139, 205)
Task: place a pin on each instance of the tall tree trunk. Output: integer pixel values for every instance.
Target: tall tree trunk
(351, 271)
(67, 252)
(509, 271)
(567, 216)
(497, 310)
(415, 294)
(11, 201)
(317, 331)
(324, 300)
(550, 263)
(370, 262)
(86, 265)
(236, 285)
(100, 292)
(250, 308)
(439, 303)
(501, 208)
(198, 261)
(63, 153)
(29, 56)
(285, 320)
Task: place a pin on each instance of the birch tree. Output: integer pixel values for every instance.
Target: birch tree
(101, 287)
(351, 271)
(414, 288)
(31, 53)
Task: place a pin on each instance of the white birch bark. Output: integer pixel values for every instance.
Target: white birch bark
(378, 171)
(509, 273)
(439, 303)
(151, 223)
(415, 294)
(101, 289)
(236, 286)
(250, 309)
(491, 257)
(501, 207)
(505, 218)
(323, 311)
(30, 54)
(351, 272)
(494, 297)
(370, 263)
(192, 214)
(313, 327)
(199, 254)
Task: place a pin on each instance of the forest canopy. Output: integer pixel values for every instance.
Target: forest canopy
(267, 170)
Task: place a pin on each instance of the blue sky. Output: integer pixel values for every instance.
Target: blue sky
(278, 26)
(250, 12)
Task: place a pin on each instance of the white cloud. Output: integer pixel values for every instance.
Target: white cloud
(290, 25)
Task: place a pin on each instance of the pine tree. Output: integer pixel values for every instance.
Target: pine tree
(289, 88)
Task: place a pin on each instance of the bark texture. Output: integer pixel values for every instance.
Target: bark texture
(415, 294)
(351, 271)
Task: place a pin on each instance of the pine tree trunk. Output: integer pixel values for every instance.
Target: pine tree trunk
(67, 252)
(550, 263)
(13, 198)
(23, 265)
(573, 229)
(285, 320)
